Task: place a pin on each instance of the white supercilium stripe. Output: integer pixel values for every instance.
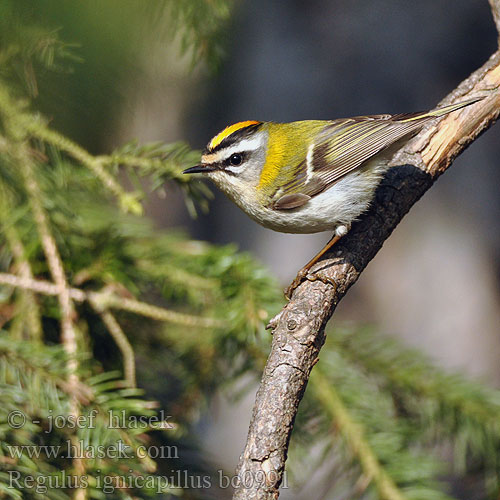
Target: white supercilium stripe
(245, 145)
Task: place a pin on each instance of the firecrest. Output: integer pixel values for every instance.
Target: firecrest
(312, 175)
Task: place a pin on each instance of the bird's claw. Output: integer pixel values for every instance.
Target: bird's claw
(304, 274)
(324, 278)
(301, 276)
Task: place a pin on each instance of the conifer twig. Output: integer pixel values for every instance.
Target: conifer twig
(355, 440)
(137, 161)
(54, 261)
(409, 372)
(127, 200)
(299, 329)
(107, 299)
(30, 307)
(123, 344)
(55, 264)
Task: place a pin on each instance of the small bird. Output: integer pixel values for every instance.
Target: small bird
(312, 175)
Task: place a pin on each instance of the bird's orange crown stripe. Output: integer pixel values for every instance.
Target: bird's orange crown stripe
(228, 131)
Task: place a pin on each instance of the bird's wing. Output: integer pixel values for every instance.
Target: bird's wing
(341, 147)
(344, 145)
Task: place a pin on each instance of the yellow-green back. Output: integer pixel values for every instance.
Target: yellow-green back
(287, 149)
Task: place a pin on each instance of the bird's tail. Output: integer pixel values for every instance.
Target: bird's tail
(442, 111)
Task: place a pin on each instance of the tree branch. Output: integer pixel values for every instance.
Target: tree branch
(353, 434)
(105, 300)
(68, 331)
(299, 329)
(127, 200)
(495, 10)
(29, 311)
(123, 344)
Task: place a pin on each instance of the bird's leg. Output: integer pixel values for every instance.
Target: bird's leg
(302, 274)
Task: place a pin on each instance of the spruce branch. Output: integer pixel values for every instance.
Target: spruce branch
(445, 406)
(200, 25)
(353, 435)
(42, 390)
(151, 311)
(122, 342)
(161, 163)
(68, 314)
(29, 307)
(298, 330)
(409, 371)
(55, 264)
(148, 164)
(128, 201)
(20, 153)
(370, 436)
(106, 299)
(62, 224)
(49, 363)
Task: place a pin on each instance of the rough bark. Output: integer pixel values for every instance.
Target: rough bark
(299, 330)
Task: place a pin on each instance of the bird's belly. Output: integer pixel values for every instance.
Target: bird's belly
(339, 205)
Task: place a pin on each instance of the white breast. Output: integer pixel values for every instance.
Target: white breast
(337, 206)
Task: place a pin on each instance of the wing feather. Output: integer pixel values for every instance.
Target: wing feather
(341, 147)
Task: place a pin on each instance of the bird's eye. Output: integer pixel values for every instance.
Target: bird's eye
(235, 159)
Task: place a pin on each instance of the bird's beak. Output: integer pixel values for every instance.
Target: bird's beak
(199, 169)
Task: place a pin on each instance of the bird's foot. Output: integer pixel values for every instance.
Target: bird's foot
(323, 277)
(303, 275)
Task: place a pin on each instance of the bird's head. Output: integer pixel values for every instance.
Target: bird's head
(235, 156)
